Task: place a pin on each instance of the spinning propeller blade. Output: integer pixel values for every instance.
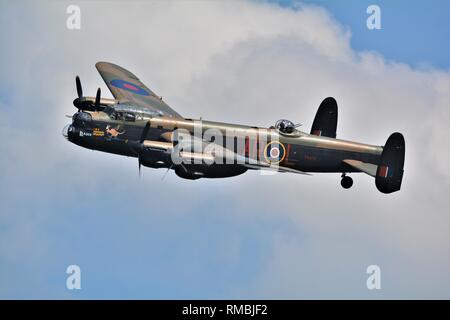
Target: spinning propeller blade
(141, 140)
(139, 164)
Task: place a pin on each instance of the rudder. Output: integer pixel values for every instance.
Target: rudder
(325, 122)
(390, 169)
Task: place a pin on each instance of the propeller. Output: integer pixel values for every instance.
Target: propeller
(141, 141)
(78, 102)
(139, 163)
(137, 146)
(165, 173)
(83, 103)
(79, 88)
(97, 99)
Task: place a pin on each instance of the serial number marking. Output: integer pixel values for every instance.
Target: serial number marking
(309, 157)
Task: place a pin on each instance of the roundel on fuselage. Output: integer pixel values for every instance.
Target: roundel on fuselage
(274, 152)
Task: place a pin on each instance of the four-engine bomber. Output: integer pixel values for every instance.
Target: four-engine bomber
(138, 123)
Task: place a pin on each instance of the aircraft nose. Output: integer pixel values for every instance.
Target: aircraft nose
(65, 131)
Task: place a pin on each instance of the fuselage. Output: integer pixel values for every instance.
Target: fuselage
(112, 132)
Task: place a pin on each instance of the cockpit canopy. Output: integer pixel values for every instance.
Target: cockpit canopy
(285, 126)
(130, 112)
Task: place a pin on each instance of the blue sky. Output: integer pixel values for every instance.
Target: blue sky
(414, 32)
(252, 236)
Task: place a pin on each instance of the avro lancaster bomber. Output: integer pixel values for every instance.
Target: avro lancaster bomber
(138, 123)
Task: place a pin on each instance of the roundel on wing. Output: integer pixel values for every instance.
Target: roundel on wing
(128, 86)
(274, 152)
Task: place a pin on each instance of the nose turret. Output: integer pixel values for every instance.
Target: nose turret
(66, 130)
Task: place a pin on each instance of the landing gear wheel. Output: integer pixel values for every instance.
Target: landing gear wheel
(346, 182)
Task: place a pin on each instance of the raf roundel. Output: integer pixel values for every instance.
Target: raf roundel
(274, 152)
(128, 86)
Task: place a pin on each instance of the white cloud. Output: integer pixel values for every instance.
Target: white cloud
(249, 63)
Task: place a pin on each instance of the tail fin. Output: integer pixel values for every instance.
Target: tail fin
(390, 169)
(325, 122)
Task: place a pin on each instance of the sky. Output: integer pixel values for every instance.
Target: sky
(413, 32)
(253, 236)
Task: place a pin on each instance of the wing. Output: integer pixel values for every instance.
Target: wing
(127, 88)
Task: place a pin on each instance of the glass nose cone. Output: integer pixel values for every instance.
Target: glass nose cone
(65, 131)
